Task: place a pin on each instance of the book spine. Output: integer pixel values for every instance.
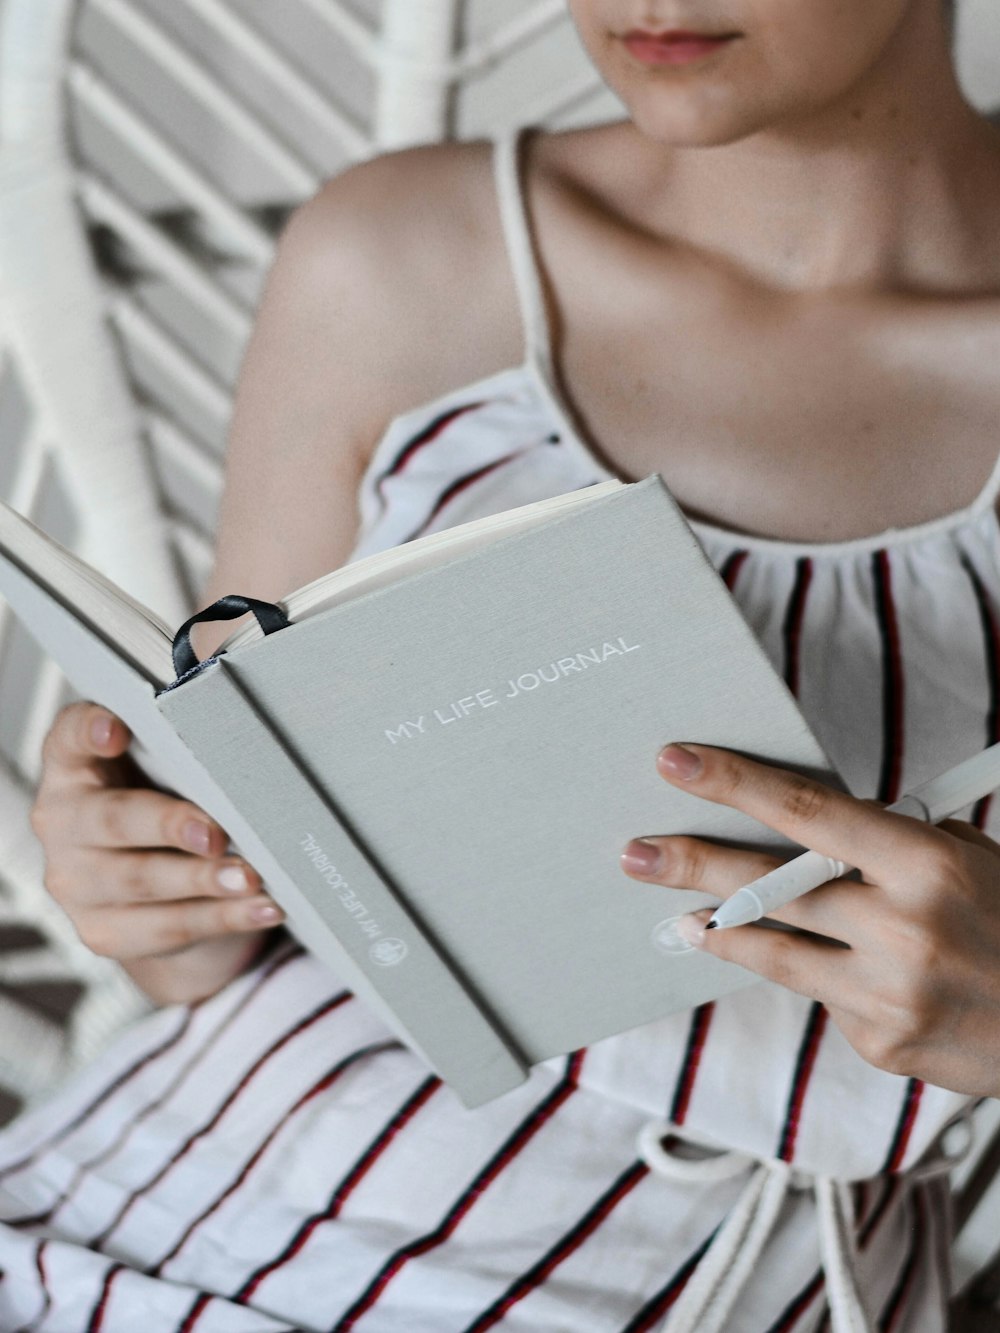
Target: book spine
(337, 901)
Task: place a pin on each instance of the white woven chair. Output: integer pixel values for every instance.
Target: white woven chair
(149, 152)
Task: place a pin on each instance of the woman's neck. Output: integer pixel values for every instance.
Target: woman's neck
(896, 187)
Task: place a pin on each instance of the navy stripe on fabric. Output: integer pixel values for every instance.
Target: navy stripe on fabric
(892, 678)
(372, 1154)
(896, 1304)
(562, 1249)
(43, 1283)
(657, 1306)
(328, 1006)
(794, 616)
(201, 1304)
(350, 1181)
(817, 1017)
(731, 568)
(804, 1065)
(888, 1196)
(701, 1019)
(327, 1081)
(889, 782)
(430, 432)
(799, 1304)
(904, 1125)
(480, 1183)
(96, 1321)
(204, 1050)
(106, 1092)
(866, 1227)
(343, 1190)
(457, 486)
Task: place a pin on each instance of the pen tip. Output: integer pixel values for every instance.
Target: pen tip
(710, 925)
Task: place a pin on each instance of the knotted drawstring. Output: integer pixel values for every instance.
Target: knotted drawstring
(714, 1286)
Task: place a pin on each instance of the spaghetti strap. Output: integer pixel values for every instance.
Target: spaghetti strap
(521, 248)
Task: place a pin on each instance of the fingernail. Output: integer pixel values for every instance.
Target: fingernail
(692, 928)
(264, 914)
(641, 857)
(233, 879)
(100, 730)
(197, 836)
(678, 762)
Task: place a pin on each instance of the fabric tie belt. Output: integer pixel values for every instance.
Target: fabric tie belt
(715, 1284)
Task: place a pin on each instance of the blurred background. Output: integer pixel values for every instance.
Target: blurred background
(150, 152)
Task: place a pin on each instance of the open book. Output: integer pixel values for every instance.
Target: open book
(435, 755)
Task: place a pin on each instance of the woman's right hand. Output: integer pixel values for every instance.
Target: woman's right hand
(142, 875)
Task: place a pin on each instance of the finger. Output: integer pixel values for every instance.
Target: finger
(81, 733)
(147, 929)
(142, 817)
(115, 878)
(810, 966)
(680, 861)
(885, 846)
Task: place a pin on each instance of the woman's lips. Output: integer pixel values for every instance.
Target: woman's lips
(672, 48)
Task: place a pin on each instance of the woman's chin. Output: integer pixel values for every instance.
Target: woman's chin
(677, 126)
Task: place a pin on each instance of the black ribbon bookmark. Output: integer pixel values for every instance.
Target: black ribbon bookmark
(269, 617)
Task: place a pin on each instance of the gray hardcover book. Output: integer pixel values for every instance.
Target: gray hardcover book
(436, 771)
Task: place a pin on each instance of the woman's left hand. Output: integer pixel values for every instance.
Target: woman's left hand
(917, 989)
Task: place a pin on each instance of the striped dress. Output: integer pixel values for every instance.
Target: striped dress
(273, 1158)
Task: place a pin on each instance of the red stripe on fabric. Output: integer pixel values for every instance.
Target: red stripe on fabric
(870, 1224)
(460, 484)
(343, 1191)
(816, 1024)
(320, 1012)
(84, 1167)
(904, 1126)
(794, 617)
(429, 433)
(892, 759)
(522, 1135)
(43, 1282)
(327, 1081)
(892, 677)
(800, 1082)
(901, 1292)
(701, 1020)
(731, 568)
(800, 1303)
(399, 1122)
(97, 1315)
(195, 1313)
(561, 1251)
(653, 1311)
(187, 1016)
(99, 1101)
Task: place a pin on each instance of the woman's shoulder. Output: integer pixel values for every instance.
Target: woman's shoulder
(410, 249)
(410, 246)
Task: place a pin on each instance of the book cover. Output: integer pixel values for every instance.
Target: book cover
(436, 777)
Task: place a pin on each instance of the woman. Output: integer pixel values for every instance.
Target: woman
(775, 282)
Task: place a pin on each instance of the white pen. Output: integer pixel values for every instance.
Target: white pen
(931, 802)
